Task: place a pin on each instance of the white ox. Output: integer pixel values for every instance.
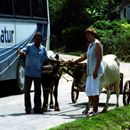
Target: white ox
(111, 77)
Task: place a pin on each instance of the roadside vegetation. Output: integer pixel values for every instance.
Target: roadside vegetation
(69, 19)
(115, 37)
(117, 119)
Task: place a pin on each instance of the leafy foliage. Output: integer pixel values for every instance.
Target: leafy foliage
(70, 13)
(69, 18)
(115, 36)
(74, 38)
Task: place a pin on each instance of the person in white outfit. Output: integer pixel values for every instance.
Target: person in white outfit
(95, 68)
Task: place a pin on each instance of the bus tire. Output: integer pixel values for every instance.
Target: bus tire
(20, 76)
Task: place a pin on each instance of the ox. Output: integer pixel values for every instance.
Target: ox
(50, 81)
(110, 78)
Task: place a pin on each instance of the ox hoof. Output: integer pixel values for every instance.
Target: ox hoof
(44, 109)
(85, 111)
(104, 110)
(51, 106)
(57, 109)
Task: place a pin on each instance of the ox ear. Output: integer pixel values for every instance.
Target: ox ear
(57, 56)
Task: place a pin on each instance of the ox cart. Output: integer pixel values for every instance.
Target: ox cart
(78, 72)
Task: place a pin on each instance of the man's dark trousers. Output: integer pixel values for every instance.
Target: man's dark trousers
(37, 93)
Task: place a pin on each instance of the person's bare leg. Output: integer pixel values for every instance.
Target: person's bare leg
(95, 103)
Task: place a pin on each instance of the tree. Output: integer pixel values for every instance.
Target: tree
(69, 13)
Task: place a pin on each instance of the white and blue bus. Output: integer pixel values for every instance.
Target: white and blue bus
(19, 20)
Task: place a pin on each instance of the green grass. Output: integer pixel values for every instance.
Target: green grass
(76, 53)
(116, 119)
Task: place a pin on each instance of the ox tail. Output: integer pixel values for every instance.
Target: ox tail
(117, 60)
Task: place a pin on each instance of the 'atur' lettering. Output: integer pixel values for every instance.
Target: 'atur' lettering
(6, 36)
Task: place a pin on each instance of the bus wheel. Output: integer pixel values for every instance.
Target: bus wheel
(20, 76)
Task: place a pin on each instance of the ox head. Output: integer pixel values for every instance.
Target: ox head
(52, 55)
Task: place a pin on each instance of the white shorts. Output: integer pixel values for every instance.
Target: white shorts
(92, 85)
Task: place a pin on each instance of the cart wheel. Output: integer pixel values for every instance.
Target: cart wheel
(126, 93)
(74, 93)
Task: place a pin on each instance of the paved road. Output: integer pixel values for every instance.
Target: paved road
(13, 117)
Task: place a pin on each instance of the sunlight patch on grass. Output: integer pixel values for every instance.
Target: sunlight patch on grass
(117, 119)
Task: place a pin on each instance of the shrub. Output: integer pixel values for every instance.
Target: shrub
(115, 37)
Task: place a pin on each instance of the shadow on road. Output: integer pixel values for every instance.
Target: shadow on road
(7, 88)
(15, 114)
(100, 104)
(76, 111)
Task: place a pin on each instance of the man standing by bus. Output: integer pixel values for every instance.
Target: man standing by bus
(36, 55)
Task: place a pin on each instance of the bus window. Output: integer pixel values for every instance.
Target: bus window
(45, 8)
(6, 7)
(22, 7)
(39, 8)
